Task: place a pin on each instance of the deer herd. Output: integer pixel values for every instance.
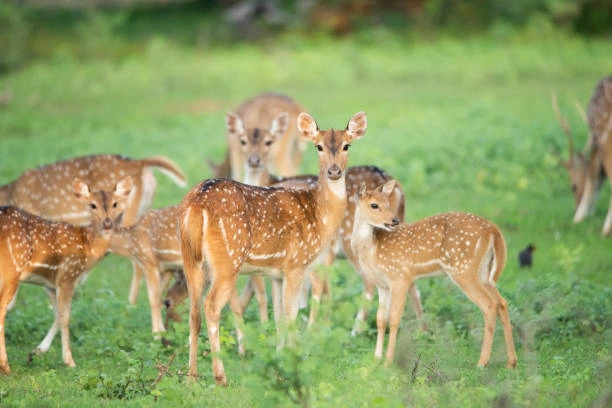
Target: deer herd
(259, 217)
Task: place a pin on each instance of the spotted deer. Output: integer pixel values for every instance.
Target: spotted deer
(153, 246)
(43, 190)
(229, 227)
(56, 255)
(588, 169)
(257, 113)
(256, 146)
(470, 250)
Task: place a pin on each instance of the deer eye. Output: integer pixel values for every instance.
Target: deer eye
(93, 206)
(320, 148)
(374, 206)
(268, 142)
(346, 147)
(574, 188)
(243, 142)
(115, 204)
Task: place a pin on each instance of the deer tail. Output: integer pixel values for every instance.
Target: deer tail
(168, 167)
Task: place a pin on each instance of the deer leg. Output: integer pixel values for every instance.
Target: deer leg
(194, 277)
(64, 302)
(135, 285)
(223, 285)
(396, 309)
(320, 281)
(45, 344)
(502, 310)
(8, 289)
(277, 300)
(607, 164)
(366, 304)
(154, 294)
(317, 284)
(234, 303)
(382, 314)
(247, 294)
(415, 301)
(256, 285)
(476, 291)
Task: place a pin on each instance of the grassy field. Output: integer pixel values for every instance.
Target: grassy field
(463, 125)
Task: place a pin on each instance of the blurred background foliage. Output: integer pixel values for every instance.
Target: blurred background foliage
(40, 29)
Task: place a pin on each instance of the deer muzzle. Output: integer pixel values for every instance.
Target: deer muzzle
(254, 161)
(107, 224)
(334, 172)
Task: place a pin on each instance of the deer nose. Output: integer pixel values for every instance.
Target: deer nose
(254, 160)
(334, 172)
(107, 224)
(395, 221)
(167, 302)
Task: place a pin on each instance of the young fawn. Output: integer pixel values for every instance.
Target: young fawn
(55, 255)
(230, 227)
(469, 249)
(256, 145)
(43, 190)
(589, 169)
(258, 112)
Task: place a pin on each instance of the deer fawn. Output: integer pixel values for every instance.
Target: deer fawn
(588, 169)
(153, 246)
(256, 146)
(56, 255)
(42, 190)
(257, 113)
(468, 248)
(231, 227)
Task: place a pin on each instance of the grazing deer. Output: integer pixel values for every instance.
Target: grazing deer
(468, 248)
(230, 227)
(588, 169)
(42, 190)
(257, 113)
(153, 246)
(256, 146)
(56, 255)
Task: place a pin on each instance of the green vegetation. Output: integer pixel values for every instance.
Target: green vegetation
(463, 125)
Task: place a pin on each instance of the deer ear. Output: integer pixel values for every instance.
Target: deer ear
(357, 126)
(307, 126)
(124, 187)
(279, 125)
(388, 187)
(81, 190)
(233, 124)
(362, 190)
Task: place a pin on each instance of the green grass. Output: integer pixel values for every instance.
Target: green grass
(463, 125)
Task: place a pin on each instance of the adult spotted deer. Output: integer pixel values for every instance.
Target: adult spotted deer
(43, 190)
(230, 227)
(257, 113)
(588, 169)
(256, 146)
(153, 246)
(56, 255)
(469, 249)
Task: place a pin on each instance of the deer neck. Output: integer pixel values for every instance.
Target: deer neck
(257, 178)
(362, 240)
(331, 202)
(96, 240)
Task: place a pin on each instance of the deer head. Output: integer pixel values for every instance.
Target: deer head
(105, 209)
(255, 143)
(375, 206)
(332, 145)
